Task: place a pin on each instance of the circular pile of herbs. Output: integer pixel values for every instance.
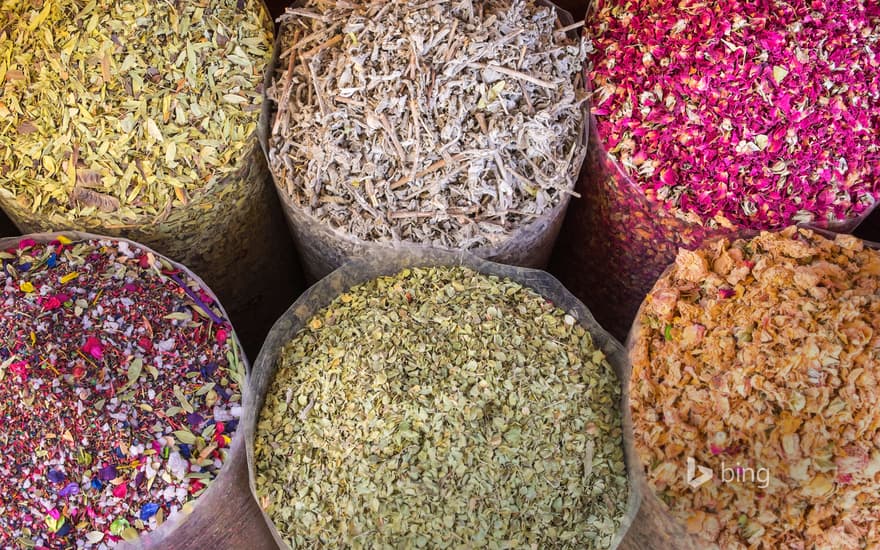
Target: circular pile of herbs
(750, 114)
(121, 111)
(442, 407)
(119, 393)
(760, 358)
(453, 124)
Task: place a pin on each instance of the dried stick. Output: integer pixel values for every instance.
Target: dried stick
(436, 166)
(572, 27)
(288, 79)
(423, 214)
(514, 74)
(393, 136)
(323, 46)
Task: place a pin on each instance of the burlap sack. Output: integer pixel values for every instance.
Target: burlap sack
(323, 248)
(389, 262)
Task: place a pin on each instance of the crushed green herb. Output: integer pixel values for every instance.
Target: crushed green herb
(442, 407)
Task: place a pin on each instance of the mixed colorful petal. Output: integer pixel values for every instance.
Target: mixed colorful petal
(103, 358)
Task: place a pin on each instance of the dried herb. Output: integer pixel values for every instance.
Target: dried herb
(762, 354)
(119, 392)
(441, 407)
(449, 123)
(126, 110)
(138, 120)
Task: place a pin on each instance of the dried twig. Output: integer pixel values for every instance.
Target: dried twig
(323, 46)
(515, 74)
(288, 77)
(293, 13)
(308, 39)
(433, 213)
(450, 43)
(572, 27)
(392, 135)
(347, 101)
(435, 166)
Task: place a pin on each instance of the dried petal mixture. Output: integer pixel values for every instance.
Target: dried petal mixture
(440, 407)
(720, 116)
(119, 393)
(451, 123)
(760, 113)
(763, 355)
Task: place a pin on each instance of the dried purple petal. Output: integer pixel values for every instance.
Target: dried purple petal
(107, 473)
(56, 476)
(70, 489)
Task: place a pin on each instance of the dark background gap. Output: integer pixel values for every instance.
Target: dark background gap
(575, 8)
(870, 228)
(7, 228)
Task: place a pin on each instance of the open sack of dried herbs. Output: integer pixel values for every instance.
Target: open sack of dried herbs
(759, 360)
(713, 118)
(120, 391)
(459, 403)
(138, 119)
(457, 124)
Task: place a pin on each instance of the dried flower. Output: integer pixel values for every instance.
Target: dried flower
(70, 489)
(94, 348)
(97, 414)
(56, 476)
(148, 510)
(778, 397)
(714, 117)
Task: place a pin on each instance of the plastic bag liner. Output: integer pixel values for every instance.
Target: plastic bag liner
(232, 234)
(388, 262)
(615, 241)
(214, 510)
(655, 526)
(323, 248)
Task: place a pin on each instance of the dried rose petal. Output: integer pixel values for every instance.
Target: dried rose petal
(714, 117)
